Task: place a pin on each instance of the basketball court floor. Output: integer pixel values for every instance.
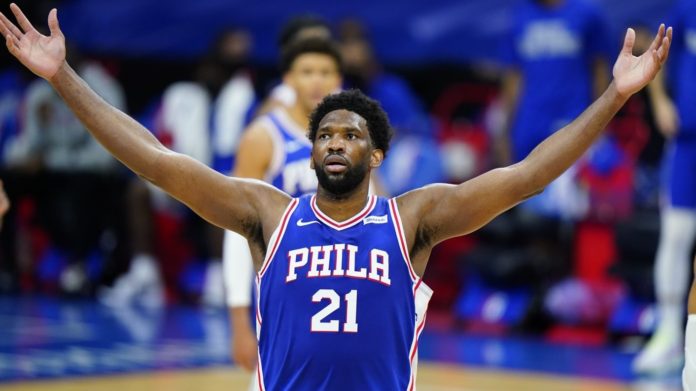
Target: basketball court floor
(48, 344)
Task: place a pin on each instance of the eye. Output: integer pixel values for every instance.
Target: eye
(323, 136)
(351, 136)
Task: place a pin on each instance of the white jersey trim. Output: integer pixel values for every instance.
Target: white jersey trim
(423, 293)
(273, 245)
(401, 237)
(259, 374)
(277, 236)
(259, 370)
(278, 156)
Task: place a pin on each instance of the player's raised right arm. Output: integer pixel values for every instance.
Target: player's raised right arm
(227, 202)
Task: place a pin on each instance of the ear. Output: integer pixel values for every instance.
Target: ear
(376, 158)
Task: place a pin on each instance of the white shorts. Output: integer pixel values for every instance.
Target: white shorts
(254, 383)
(689, 374)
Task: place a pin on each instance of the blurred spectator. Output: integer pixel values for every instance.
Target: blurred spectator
(676, 119)
(12, 89)
(553, 45)
(203, 119)
(68, 176)
(415, 155)
(52, 138)
(363, 71)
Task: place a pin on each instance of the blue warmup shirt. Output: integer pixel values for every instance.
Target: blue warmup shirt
(680, 157)
(554, 49)
(683, 19)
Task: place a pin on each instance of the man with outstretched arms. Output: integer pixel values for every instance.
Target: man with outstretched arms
(340, 300)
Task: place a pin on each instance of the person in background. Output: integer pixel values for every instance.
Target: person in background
(676, 119)
(554, 45)
(275, 149)
(417, 161)
(55, 162)
(297, 28)
(276, 132)
(203, 119)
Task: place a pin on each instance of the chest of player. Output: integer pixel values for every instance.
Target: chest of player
(344, 287)
(336, 261)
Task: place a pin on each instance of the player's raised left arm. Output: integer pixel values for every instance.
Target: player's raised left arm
(442, 211)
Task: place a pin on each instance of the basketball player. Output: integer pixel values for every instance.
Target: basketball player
(275, 149)
(339, 298)
(676, 119)
(296, 29)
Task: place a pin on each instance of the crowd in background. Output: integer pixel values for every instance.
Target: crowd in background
(578, 256)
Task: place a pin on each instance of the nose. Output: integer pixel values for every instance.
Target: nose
(336, 144)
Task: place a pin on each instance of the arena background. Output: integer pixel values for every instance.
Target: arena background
(560, 302)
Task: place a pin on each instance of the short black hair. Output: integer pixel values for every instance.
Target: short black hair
(355, 101)
(297, 24)
(310, 45)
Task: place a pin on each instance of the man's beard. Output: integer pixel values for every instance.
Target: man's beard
(341, 184)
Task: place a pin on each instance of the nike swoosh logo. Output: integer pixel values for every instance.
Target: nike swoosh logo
(301, 223)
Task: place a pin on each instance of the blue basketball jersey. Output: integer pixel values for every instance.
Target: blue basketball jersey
(553, 48)
(683, 19)
(289, 169)
(339, 306)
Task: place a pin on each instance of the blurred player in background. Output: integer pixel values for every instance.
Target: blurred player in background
(676, 119)
(297, 28)
(555, 45)
(275, 149)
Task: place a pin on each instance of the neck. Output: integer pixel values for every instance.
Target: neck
(299, 115)
(344, 206)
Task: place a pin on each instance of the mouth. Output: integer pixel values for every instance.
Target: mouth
(335, 164)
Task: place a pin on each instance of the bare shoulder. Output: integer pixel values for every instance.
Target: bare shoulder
(258, 132)
(255, 151)
(270, 204)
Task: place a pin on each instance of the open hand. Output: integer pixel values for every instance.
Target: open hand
(632, 73)
(41, 54)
